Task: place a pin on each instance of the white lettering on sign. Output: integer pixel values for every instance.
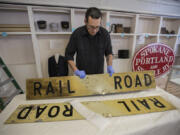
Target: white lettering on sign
(154, 60)
(155, 49)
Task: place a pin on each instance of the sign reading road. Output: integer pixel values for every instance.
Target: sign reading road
(72, 86)
(43, 113)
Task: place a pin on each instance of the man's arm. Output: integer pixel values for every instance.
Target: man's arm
(110, 69)
(72, 65)
(80, 73)
(70, 51)
(109, 59)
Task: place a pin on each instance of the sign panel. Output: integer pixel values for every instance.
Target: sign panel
(156, 56)
(131, 106)
(43, 113)
(73, 86)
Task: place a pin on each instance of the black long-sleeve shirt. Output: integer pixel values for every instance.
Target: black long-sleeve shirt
(90, 50)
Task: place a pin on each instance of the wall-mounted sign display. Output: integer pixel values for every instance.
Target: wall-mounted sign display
(43, 113)
(131, 106)
(156, 56)
(100, 84)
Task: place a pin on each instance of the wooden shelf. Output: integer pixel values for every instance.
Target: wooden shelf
(122, 34)
(122, 59)
(53, 33)
(17, 33)
(124, 15)
(148, 34)
(148, 17)
(22, 64)
(53, 10)
(168, 35)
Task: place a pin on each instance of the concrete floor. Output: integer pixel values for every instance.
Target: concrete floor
(169, 86)
(173, 89)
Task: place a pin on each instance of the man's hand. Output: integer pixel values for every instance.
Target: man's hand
(110, 70)
(80, 73)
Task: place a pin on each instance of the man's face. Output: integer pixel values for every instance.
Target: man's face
(93, 25)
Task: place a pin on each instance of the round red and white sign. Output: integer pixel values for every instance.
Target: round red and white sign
(156, 56)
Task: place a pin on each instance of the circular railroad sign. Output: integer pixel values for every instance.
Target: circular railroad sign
(156, 56)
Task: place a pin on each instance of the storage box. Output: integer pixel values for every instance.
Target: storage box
(127, 29)
(123, 54)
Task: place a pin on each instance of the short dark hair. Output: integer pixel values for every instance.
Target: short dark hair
(94, 12)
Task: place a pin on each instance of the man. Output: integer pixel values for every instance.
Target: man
(90, 43)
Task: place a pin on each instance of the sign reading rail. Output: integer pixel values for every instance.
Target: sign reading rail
(72, 86)
(131, 106)
(43, 113)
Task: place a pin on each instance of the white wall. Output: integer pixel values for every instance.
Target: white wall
(168, 7)
(16, 64)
